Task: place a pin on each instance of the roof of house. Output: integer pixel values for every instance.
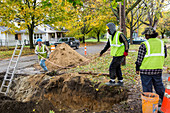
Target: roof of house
(55, 29)
(36, 31)
(3, 28)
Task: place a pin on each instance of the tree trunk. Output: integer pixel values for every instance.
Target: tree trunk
(162, 35)
(131, 35)
(83, 39)
(98, 36)
(31, 37)
(123, 18)
(123, 24)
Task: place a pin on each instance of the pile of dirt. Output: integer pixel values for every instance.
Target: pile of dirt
(64, 56)
(68, 92)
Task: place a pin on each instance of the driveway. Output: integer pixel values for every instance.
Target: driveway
(25, 65)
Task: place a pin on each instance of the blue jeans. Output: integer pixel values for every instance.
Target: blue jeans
(42, 64)
(153, 80)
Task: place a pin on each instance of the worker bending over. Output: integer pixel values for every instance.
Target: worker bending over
(119, 49)
(43, 52)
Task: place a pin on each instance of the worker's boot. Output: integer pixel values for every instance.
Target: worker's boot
(111, 83)
(120, 83)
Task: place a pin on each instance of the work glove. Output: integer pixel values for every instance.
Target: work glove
(125, 53)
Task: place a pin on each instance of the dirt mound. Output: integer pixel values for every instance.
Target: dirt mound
(64, 56)
(68, 92)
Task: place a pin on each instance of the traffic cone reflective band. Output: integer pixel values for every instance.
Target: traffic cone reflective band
(52, 48)
(85, 52)
(166, 100)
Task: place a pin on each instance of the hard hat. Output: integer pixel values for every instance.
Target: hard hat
(107, 27)
(39, 40)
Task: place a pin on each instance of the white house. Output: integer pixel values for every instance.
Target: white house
(45, 32)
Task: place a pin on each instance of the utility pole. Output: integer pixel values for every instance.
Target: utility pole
(122, 22)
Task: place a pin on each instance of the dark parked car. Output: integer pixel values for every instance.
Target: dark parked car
(137, 40)
(71, 41)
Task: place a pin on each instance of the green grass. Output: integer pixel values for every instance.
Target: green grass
(167, 41)
(8, 53)
(101, 65)
(167, 60)
(95, 40)
(134, 47)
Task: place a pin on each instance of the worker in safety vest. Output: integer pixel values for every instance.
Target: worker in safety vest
(119, 49)
(43, 52)
(150, 62)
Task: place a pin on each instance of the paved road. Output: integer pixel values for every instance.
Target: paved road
(26, 62)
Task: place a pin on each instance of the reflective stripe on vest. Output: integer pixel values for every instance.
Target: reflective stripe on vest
(154, 57)
(117, 48)
(117, 36)
(154, 54)
(43, 48)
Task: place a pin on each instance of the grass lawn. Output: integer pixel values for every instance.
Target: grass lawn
(95, 40)
(101, 64)
(5, 53)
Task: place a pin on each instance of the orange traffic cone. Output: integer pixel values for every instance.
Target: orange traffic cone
(85, 50)
(166, 100)
(52, 48)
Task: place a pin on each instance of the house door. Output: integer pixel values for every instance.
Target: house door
(19, 36)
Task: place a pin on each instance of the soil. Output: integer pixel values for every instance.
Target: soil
(68, 92)
(9, 105)
(63, 56)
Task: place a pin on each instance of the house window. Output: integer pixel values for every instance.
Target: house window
(41, 36)
(35, 36)
(16, 36)
(52, 35)
(38, 36)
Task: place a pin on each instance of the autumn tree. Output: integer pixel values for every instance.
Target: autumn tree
(87, 18)
(104, 15)
(156, 8)
(134, 16)
(164, 23)
(121, 15)
(28, 13)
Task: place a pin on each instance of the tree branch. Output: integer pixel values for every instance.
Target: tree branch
(133, 6)
(114, 11)
(144, 23)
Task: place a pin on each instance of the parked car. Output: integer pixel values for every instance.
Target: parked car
(137, 40)
(71, 41)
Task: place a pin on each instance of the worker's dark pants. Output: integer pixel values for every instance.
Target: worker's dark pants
(156, 81)
(115, 68)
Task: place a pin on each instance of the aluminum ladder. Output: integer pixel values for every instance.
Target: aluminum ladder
(11, 68)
